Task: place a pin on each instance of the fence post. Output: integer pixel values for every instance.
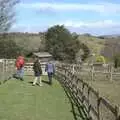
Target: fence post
(111, 73)
(83, 86)
(117, 113)
(98, 106)
(89, 105)
(6, 65)
(92, 73)
(73, 68)
(65, 74)
(3, 69)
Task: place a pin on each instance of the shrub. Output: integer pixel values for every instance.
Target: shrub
(100, 59)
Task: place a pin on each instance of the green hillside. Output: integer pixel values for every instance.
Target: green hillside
(32, 42)
(28, 41)
(95, 44)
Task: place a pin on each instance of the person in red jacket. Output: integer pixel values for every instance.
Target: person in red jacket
(20, 67)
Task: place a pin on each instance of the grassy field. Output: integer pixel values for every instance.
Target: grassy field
(95, 44)
(22, 101)
(107, 89)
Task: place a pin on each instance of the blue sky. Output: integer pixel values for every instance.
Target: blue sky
(82, 16)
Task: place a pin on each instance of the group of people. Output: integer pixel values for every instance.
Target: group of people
(49, 68)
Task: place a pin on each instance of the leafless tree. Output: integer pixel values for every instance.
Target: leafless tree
(7, 14)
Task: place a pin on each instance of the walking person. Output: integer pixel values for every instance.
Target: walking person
(19, 63)
(50, 69)
(37, 72)
(20, 68)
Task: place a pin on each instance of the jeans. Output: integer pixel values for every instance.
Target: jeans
(20, 73)
(50, 75)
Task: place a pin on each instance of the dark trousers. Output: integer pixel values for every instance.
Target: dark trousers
(50, 75)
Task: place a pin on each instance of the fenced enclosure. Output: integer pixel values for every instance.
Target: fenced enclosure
(95, 71)
(7, 68)
(95, 106)
(29, 68)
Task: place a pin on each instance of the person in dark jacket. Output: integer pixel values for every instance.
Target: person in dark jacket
(37, 72)
(50, 69)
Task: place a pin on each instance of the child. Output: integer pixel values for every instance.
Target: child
(37, 72)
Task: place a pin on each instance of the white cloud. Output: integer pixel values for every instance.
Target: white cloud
(94, 24)
(27, 28)
(98, 7)
(94, 27)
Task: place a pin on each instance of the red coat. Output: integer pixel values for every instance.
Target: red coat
(20, 62)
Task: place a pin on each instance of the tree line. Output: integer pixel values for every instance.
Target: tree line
(57, 40)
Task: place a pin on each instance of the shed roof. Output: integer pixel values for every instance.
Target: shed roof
(42, 54)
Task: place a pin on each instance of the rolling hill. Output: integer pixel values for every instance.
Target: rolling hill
(95, 44)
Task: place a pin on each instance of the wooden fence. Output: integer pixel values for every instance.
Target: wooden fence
(96, 107)
(107, 72)
(7, 68)
(29, 68)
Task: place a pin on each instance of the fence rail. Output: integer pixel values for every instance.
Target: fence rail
(92, 71)
(29, 68)
(7, 68)
(96, 107)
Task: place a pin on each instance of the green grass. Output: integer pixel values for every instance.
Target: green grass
(22, 101)
(108, 90)
(95, 44)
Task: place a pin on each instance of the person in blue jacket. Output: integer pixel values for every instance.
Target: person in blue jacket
(50, 69)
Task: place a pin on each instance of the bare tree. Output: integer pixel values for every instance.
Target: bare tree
(7, 14)
(8, 48)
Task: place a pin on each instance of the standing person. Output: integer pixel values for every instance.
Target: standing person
(20, 67)
(37, 72)
(50, 69)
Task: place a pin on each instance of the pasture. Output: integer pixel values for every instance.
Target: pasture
(102, 82)
(107, 89)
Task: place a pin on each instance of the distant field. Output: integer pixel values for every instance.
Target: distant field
(95, 44)
(109, 90)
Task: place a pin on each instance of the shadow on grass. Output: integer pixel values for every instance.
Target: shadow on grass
(30, 82)
(77, 109)
(46, 82)
(12, 77)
